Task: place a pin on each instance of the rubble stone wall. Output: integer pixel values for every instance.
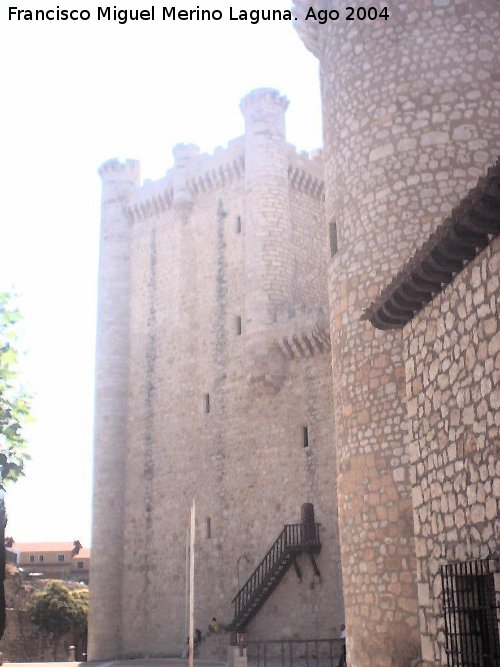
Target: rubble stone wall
(452, 358)
(410, 117)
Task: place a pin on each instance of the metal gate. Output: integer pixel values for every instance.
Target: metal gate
(471, 603)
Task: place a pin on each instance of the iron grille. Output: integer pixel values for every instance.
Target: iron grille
(471, 603)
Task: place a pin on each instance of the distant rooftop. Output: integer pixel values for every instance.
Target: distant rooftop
(47, 547)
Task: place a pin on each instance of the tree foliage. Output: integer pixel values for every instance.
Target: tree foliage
(52, 610)
(14, 401)
(80, 600)
(56, 611)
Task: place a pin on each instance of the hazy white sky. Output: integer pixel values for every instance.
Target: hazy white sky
(74, 95)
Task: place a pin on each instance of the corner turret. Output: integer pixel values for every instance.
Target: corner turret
(119, 179)
(268, 252)
(114, 172)
(268, 265)
(184, 156)
(264, 109)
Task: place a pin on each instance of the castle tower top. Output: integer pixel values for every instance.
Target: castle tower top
(113, 171)
(264, 106)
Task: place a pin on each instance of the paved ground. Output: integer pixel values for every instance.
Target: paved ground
(145, 662)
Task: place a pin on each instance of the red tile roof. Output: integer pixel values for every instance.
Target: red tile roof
(47, 547)
(84, 553)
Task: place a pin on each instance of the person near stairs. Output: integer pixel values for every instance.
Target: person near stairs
(214, 626)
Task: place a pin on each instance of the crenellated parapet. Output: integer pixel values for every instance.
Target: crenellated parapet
(196, 174)
(113, 171)
(306, 175)
(265, 107)
(193, 175)
(152, 199)
(214, 172)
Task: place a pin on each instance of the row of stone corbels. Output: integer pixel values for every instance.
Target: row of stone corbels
(153, 204)
(218, 177)
(306, 182)
(299, 177)
(305, 345)
(270, 351)
(302, 333)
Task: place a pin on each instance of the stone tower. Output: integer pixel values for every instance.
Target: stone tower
(269, 265)
(266, 184)
(226, 392)
(411, 120)
(118, 182)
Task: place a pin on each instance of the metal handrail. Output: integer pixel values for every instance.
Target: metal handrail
(293, 535)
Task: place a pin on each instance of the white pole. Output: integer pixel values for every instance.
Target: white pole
(191, 588)
(185, 649)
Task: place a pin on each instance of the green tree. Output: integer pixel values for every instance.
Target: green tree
(56, 611)
(80, 600)
(14, 400)
(14, 413)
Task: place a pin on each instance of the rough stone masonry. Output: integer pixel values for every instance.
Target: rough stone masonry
(199, 369)
(411, 110)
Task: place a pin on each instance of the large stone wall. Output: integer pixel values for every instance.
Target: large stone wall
(410, 116)
(219, 238)
(452, 352)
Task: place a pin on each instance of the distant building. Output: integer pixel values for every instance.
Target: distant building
(52, 560)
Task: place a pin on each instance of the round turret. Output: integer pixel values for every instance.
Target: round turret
(110, 416)
(268, 265)
(114, 171)
(184, 154)
(264, 107)
(410, 117)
